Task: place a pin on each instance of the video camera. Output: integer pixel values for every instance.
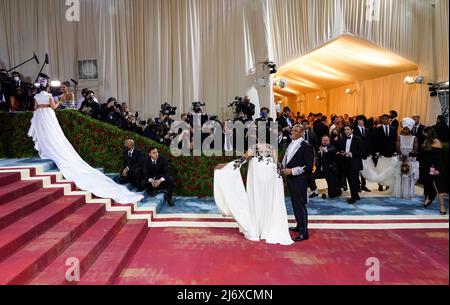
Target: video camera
(242, 105)
(166, 109)
(197, 106)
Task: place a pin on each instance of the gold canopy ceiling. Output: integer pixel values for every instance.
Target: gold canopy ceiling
(343, 61)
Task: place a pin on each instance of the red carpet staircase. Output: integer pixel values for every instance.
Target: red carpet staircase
(41, 230)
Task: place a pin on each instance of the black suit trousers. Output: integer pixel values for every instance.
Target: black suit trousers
(298, 187)
(352, 175)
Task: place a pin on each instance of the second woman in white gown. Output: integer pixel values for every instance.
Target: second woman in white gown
(260, 210)
(51, 143)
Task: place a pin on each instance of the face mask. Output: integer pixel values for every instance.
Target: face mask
(263, 115)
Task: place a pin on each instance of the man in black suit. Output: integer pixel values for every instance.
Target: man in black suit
(394, 122)
(327, 168)
(157, 176)
(266, 121)
(364, 134)
(385, 141)
(351, 150)
(132, 165)
(286, 123)
(320, 127)
(297, 165)
(309, 135)
(418, 130)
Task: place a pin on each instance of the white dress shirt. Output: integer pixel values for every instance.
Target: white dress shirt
(348, 145)
(291, 151)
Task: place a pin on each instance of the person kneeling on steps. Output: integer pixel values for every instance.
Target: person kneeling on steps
(157, 176)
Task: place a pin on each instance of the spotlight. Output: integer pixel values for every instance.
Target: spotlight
(55, 83)
(271, 66)
(281, 82)
(349, 91)
(409, 80)
(319, 98)
(419, 79)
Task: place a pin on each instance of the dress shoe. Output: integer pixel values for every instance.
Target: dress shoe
(313, 195)
(296, 230)
(351, 201)
(365, 189)
(380, 188)
(301, 238)
(170, 202)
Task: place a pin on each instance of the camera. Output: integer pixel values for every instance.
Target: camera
(166, 109)
(243, 105)
(197, 106)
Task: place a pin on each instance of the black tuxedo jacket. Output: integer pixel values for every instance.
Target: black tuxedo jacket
(161, 170)
(356, 149)
(135, 162)
(395, 123)
(366, 140)
(304, 157)
(386, 145)
(326, 162)
(311, 139)
(320, 129)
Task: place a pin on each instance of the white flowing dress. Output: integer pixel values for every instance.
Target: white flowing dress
(260, 211)
(52, 144)
(405, 184)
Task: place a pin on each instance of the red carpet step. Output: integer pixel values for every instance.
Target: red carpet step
(40, 228)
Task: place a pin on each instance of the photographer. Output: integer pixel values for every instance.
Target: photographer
(244, 110)
(109, 113)
(197, 116)
(91, 106)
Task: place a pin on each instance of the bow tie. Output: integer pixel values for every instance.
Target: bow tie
(348, 138)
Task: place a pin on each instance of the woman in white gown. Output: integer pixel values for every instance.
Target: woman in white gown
(260, 211)
(407, 174)
(51, 143)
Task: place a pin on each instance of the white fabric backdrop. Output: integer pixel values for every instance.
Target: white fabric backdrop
(153, 51)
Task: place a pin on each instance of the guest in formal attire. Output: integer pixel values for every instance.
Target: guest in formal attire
(350, 150)
(132, 165)
(67, 98)
(418, 130)
(335, 140)
(157, 176)
(266, 121)
(326, 168)
(364, 134)
(320, 127)
(286, 123)
(441, 129)
(386, 141)
(297, 165)
(432, 159)
(309, 135)
(394, 122)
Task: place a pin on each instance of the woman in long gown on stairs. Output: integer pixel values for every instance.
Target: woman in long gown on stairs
(260, 210)
(52, 144)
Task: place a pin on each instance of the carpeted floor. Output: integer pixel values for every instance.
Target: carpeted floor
(222, 256)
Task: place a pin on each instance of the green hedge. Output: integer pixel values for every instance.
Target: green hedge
(101, 144)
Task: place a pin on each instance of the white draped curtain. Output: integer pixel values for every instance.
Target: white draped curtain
(148, 51)
(178, 51)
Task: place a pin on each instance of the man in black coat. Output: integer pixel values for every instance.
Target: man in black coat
(351, 150)
(286, 123)
(297, 166)
(418, 130)
(157, 176)
(320, 127)
(309, 135)
(385, 141)
(394, 122)
(366, 138)
(132, 165)
(327, 168)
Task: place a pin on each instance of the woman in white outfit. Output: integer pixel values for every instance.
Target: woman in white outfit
(260, 210)
(407, 174)
(51, 143)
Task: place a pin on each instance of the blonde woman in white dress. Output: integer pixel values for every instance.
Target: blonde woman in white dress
(52, 144)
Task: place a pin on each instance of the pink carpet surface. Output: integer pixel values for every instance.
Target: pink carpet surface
(206, 256)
